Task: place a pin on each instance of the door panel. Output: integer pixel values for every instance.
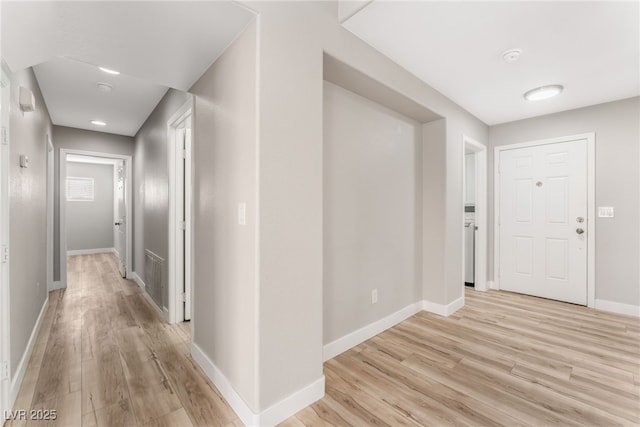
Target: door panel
(543, 192)
(121, 222)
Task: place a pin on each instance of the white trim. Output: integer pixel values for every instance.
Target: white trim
(63, 209)
(271, 416)
(136, 278)
(443, 309)
(481, 214)
(176, 265)
(55, 286)
(16, 380)
(492, 285)
(91, 251)
(50, 209)
(334, 348)
(590, 137)
(617, 307)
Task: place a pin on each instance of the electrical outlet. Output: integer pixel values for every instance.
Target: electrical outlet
(374, 296)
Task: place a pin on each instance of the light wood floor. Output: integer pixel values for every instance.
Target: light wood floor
(104, 357)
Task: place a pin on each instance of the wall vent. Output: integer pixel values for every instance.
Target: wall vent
(154, 276)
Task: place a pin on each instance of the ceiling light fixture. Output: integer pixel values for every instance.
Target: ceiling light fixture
(107, 70)
(98, 123)
(543, 92)
(511, 55)
(104, 87)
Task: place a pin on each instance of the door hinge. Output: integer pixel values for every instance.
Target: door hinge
(5, 370)
(184, 297)
(183, 225)
(184, 153)
(5, 137)
(4, 254)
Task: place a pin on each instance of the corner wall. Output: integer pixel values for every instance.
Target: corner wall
(225, 149)
(617, 134)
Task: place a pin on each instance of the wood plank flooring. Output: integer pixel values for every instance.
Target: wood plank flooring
(105, 357)
(504, 359)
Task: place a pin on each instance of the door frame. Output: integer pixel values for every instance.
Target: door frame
(480, 252)
(50, 209)
(5, 291)
(62, 160)
(178, 188)
(590, 137)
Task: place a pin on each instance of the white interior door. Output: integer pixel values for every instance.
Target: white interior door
(187, 221)
(5, 367)
(543, 221)
(121, 218)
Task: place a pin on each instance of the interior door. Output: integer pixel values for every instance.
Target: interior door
(121, 219)
(543, 221)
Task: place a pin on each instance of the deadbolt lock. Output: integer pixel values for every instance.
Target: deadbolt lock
(580, 219)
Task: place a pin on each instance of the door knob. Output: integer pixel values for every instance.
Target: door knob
(579, 230)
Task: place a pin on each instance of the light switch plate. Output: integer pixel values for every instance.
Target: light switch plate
(606, 212)
(242, 214)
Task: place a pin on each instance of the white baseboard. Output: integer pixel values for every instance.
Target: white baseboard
(90, 251)
(443, 309)
(16, 380)
(138, 280)
(617, 307)
(271, 416)
(352, 339)
(55, 285)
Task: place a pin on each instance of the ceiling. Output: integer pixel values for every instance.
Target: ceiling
(592, 48)
(154, 44)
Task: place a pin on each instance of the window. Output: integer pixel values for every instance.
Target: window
(79, 189)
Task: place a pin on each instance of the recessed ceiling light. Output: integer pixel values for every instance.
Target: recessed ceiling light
(98, 123)
(511, 55)
(106, 70)
(104, 87)
(543, 92)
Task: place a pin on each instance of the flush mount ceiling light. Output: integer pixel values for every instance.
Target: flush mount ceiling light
(98, 123)
(511, 55)
(104, 87)
(108, 71)
(543, 92)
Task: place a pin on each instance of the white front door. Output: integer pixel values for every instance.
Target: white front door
(121, 219)
(543, 221)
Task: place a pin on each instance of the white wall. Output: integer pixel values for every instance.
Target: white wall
(617, 133)
(151, 190)
(27, 202)
(90, 223)
(372, 211)
(225, 253)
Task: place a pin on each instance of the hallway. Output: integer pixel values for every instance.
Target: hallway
(104, 357)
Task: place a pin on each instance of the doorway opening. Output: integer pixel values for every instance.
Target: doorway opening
(179, 136)
(95, 194)
(474, 232)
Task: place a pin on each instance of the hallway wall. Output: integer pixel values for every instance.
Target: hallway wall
(151, 190)
(225, 253)
(27, 201)
(85, 140)
(90, 223)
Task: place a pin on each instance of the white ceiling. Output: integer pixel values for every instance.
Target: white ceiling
(592, 48)
(154, 44)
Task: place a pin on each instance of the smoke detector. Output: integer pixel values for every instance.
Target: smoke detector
(104, 87)
(511, 55)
